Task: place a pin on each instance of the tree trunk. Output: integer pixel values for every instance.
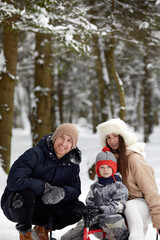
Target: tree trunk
(147, 105)
(102, 85)
(94, 110)
(7, 81)
(113, 75)
(110, 86)
(118, 81)
(98, 63)
(60, 99)
(42, 122)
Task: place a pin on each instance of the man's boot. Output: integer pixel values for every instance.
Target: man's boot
(39, 233)
(26, 236)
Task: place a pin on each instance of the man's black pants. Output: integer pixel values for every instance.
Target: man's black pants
(33, 211)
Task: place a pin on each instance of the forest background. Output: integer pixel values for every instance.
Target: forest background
(78, 61)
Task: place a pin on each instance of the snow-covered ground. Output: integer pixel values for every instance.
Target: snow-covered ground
(88, 143)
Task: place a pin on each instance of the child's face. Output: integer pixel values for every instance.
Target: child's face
(105, 171)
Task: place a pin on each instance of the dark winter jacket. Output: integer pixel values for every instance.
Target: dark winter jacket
(39, 165)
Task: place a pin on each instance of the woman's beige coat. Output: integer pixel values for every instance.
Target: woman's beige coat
(141, 184)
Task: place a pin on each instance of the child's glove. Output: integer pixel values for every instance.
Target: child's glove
(105, 209)
(118, 207)
(53, 194)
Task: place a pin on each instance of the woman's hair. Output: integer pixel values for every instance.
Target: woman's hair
(122, 162)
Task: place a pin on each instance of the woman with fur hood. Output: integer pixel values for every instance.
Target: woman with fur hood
(43, 184)
(138, 176)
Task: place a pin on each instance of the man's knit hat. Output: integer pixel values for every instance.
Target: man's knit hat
(106, 157)
(67, 129)
(115, 126)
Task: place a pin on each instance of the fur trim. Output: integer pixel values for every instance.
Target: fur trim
(137, 147)
(115, 126)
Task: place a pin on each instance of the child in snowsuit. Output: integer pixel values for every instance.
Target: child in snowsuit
(108, 193)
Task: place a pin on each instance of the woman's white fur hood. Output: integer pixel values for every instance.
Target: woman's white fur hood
(137, 147)
(115, 126)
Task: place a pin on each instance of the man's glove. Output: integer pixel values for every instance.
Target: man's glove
(53, 194)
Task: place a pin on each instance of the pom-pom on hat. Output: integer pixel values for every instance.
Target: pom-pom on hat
(117, 126)
(106, 157)
(66, 129)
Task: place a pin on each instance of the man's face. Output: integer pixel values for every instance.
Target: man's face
(62, 145)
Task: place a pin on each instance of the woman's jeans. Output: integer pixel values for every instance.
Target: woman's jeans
(30, 210)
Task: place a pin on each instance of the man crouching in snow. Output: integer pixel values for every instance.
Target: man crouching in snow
(44, 184)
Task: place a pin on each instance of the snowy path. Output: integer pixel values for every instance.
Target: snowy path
(88, 143)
